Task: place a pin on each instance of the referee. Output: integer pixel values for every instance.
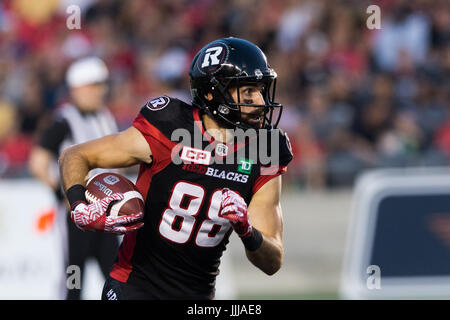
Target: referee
(84, 118)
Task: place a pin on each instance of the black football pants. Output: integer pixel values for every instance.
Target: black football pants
(116, 290)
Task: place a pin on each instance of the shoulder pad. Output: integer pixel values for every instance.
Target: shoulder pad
(286, 154)
(277, 142)
(167, 114)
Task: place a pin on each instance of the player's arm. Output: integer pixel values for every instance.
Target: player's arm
(119, 150)
(259, 226)
(114, 151)
(265, 215)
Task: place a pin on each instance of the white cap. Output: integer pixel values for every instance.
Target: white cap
(86, 71)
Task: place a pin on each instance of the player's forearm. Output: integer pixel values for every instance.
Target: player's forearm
(268, 257)
(74, 167)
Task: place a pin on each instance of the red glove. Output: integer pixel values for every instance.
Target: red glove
(234, 208)
(93, 217)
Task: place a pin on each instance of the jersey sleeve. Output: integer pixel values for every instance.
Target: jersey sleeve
(266, 176)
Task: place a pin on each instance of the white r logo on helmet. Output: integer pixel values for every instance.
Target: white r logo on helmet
(211, 56)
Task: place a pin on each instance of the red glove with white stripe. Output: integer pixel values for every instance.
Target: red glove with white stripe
(93, 217)
(234, 208)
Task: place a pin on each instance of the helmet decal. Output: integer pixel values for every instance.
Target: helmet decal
(258, 74)
(213, 58)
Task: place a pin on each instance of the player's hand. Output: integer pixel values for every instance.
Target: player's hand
(234, 208)
(92, 217)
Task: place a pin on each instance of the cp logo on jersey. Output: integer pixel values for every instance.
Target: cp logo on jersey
(158, 103)
(195, 155)
(213, 58)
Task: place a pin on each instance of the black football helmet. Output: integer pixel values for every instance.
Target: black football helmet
(232, 63)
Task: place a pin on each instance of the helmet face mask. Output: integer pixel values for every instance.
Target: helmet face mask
(266, 110)
(227, 65)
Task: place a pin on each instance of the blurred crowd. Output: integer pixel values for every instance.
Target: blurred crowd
(354, 98)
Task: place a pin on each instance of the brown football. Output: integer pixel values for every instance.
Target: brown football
(106, 184)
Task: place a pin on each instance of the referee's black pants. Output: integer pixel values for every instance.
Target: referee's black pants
(83, 245)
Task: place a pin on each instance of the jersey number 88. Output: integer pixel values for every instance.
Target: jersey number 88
(179, 219)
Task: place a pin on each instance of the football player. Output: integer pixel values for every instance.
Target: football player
(173, 249)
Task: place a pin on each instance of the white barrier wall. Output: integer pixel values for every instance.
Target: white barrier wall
(31, 258)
